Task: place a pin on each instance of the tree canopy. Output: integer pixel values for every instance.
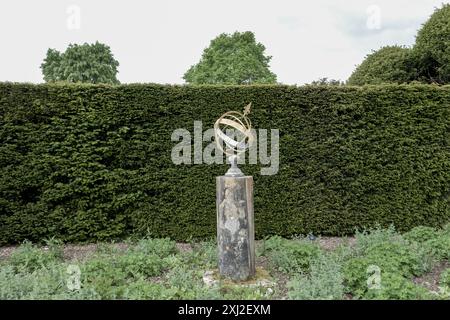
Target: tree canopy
(390, 64)
(232, 59)
(432, 48)
(427, 61)
(327, 82)
(89, 63)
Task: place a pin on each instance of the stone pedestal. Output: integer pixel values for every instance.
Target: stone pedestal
(235, 227)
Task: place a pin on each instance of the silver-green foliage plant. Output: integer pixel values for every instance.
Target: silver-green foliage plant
(290, 256)
(394, 250)
(156, 269)
(436, 242)
(369, 238)
(29, 257)
(393, 286)
(49, 283)
(109, 275)
(146, 290)
(203, 254)
(323, 281)
(444, 289)
(393, 259)
(161, 247)
(421, 234)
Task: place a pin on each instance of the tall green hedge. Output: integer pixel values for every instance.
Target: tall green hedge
(92, 162)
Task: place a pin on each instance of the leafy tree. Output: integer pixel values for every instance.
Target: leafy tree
(327, 82)
(232, 59)
(91, 63)
(390, 64)
(432, 49)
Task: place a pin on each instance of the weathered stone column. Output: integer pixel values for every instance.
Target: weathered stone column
(235, 227)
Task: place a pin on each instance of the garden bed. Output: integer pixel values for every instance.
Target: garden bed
(378, 264)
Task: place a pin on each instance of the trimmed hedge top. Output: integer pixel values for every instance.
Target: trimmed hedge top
(92, 162)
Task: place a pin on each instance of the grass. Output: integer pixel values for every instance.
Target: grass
(377, 264)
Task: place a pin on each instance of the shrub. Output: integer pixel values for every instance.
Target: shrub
(439, 247)
(436, 242)
(35, 284)
(48, 283)
(185, 282)
(369, 238)
(109, 275)
(159, 247)
(358, 271)
(28, 257)
(93, 162)
(290, 255)
(384, 257)
(432, 48)
(421, 234)
(203, 254)
(228, 292)
(446, 229)
(396, 287)
(138, 264)
(445, 278)
(380, 244)
(323, 281)
(390, 64)
(144, 290)
(400, 258)
(104, 276)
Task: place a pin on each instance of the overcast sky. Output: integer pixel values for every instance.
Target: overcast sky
(157, 41)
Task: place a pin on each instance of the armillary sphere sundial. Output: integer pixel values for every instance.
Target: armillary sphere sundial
(234, 200)
(243, 136)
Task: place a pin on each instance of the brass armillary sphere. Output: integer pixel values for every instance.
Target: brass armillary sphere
(242, 138)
